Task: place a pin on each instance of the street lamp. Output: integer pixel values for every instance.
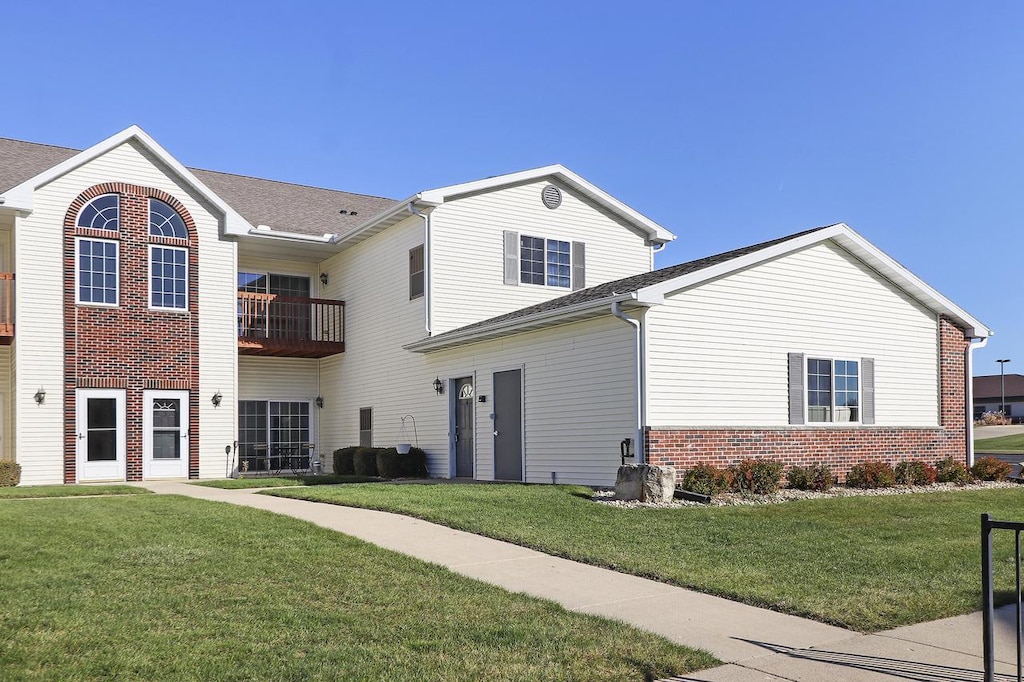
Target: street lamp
(1002, 387)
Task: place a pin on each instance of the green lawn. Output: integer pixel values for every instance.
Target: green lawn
(154, 587)
(1003, 445)
(280, 481)
(30, 491)
(867, 563)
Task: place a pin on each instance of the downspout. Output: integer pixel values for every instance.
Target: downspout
(426, 264)
(969, 393)
(641, 389)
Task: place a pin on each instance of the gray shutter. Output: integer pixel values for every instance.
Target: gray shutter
(511, 257)
(797, 395)
(867, 390)
(579, 266)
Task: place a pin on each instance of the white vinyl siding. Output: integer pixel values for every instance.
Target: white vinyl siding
(39, 354)
(718, 352)
(468, 259)
(263, 378)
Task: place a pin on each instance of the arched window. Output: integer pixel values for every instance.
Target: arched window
(164, 221)
(101, 213)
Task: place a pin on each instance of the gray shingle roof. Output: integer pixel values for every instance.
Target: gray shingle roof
(622, 286)
(280, 205)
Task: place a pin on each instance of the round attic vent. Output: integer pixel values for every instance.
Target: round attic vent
(551, 196)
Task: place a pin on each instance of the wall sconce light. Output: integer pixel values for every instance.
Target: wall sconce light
(439, 386)
(319, 402)
(40, 396)
(323, 278)
(217, 397)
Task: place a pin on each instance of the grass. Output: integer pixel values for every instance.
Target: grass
(281, 481)
(865, 563)
(171, 588)
(1003, 445)
(30, 491)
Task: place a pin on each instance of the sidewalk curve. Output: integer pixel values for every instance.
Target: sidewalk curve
(756, 644)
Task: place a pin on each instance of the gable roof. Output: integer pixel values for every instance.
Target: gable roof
(650, 288)
(283, 206)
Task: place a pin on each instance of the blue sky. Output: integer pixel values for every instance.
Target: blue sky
(729, 123)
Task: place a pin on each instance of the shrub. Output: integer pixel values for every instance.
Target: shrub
(705, 479)
(871, 474)
(344, 464)
(950, 470)
(815, 477)
(915, 472)
(992, 419)
(758, 476)
(10, 474)
(364, 462)
(390, 464)
(991, 469)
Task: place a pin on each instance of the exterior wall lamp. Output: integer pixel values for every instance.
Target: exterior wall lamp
(40, 396)
(439, 386)
(217, 397)
(323, 278)
(319, 401)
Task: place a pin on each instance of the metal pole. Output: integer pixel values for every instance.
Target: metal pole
(1002, 386)
(987, 608)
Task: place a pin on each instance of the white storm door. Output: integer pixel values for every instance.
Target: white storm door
(165, 434)
(100, 423)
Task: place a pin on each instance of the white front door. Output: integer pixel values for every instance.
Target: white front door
(165, 434)
(100, 423)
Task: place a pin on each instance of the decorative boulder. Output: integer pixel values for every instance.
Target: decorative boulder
(645, 483)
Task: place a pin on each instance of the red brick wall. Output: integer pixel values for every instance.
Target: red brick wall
(130, 346)
(839, 448)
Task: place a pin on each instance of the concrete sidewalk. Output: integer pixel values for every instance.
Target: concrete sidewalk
(756, 644)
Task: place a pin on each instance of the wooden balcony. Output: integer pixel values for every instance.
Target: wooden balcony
(290, 327)
(6, 308)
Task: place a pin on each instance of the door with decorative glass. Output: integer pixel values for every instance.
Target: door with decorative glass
(165, 434)
(100, 422)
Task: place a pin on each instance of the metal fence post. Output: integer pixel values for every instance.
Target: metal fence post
(987, 599)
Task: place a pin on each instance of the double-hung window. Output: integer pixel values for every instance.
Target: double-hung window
(824, 390)
(544, 261)
(168, 277)
(97, 261)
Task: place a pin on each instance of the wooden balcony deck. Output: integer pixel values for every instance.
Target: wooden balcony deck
(6, 308)
(291, 327)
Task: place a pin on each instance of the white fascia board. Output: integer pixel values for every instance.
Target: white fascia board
(21, 195)
(844, 236)
(525, 323)
(268, 233)
(655, 232)
(385, 218)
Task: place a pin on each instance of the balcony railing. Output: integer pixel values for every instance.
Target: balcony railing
(6, 308)
(288, 326)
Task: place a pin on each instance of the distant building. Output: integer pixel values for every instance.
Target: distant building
(988, 392)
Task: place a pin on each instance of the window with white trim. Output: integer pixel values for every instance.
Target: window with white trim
(96, 271)
(102, 213)
(168, 277)
(164, 221)
(833, 391)
(544, 261)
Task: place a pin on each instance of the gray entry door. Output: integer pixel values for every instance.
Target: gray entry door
(508, 425)
(464, 400)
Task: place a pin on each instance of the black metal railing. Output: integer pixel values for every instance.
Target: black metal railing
(988, 594)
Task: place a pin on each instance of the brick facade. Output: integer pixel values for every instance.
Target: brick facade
(130, 346)
(839, 448)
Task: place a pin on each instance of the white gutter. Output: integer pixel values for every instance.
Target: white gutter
(974, 345)
(641, 388)
(268, 233)
(426, 264)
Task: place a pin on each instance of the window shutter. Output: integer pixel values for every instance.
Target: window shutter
(511, 258)
(867, 390)
(579, 266)
(797, 395)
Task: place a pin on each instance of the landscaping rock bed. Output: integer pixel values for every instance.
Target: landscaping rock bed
(789, 494)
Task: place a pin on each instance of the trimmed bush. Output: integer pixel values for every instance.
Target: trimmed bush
(344, 464)
(364, 462)
(869, 474)
(390, 464)
(991, 469)
(915, 472)
(815, 477)
(950, 470)
(10, 474)
(705, 479)
(755, 475)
